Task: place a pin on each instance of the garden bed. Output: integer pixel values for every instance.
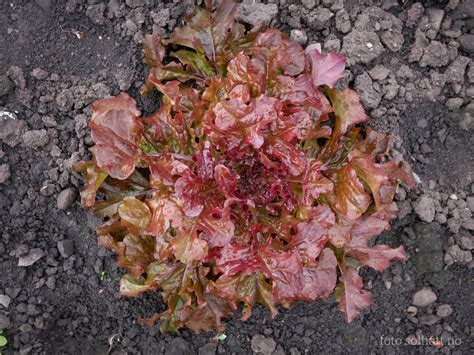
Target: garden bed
(409, 63)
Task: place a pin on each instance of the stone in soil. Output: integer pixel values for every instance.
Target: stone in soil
(413, 14)
(454, 254)
(444, 310)
(424, 297)
(263, 345)
(39, 74)
(435, 17)
(369, 95)
(5, 85)
(435, 55)
(96, 13)
(379, 72)
(16, 75)
(343, 22)
(11, 128)
(256, 13)
(32, 257)
(361, 46)
(4, 173)
(456, 70)
(299, 36)
(35, 139)
(66, 198)
(66, 248)
(318, 18)
(425, 209)
(5, 301)
(4, 321)
(467, 42)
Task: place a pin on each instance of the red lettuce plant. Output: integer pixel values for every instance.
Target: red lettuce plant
(251, 183)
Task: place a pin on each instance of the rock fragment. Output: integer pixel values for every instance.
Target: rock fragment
(35, 139)
(66, 248)
(15, 73)
(11, 128)
(66, 198)
(5, 85)
(32, 257)
(435, 55)
(424, 297)
(369, 96)
(263, 345)
(425, 209)
(362, 46)
(255, 13)
(4, 172)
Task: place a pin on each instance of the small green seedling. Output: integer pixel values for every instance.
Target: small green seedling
(220, 337)
(102, 276)
(3, 339)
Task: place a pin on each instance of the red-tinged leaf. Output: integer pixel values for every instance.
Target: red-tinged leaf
(339, 234)
(347, 107)
(207, 32)
(188, 247)
(168, 276)
(116, 191)
(133, 286)
(264, 111)
(292, 159)
(301, 91)
(350, 295)
(237, 121)
(248, 289)
(217, 90)
(401, 171)
(326, 69)
(93, 179)
(159, 223)
(134, 214)
(189, 188)
(168, 133)
(369, 226)
(153, 50)
(377, 257)
(234, 258)
(207, 317)
(195, 60)
(276, 53)
(285, 269)
(309, 240)
(165, 169)
(241, 93)
(349, 198)
(116, 130)
(372, 175)
(166, 72)
(319, 281)
(242, 70)
(205, 162)
(313, 183)
(226, 180)
(135, 253)
(323, 215)
(375, 144)
(217, 226)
